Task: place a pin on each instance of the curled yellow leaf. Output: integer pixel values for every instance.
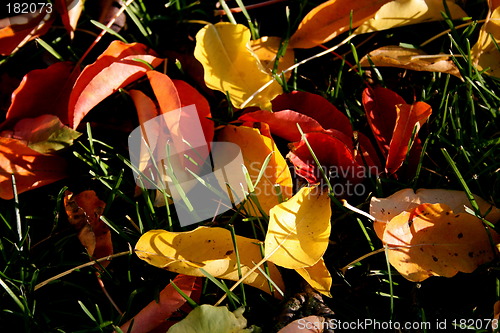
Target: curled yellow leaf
(266, 49)
(485, 52)
(231, 66)
(299, 229)
(318, 277)
(208, 248)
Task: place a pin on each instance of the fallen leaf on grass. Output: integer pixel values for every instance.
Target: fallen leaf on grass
(232, 67)
(45, 134)
(332, 18)
(413, 59)
(30, 168)
(318, 277)
(384, 209)
(266, 49)
(433, 240)
(398, 13)
(115, 68)
(215, 253)
(310, 324)
(485, 52)
(212, 319)
(69, 11)
(84, 212)
(255, 148)
(299, 229)
(154, 315)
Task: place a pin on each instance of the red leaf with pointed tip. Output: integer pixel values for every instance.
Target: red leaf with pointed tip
(332, 153)
(30, 168)
(114, 69)
(42, 91)
(409, 116)
(284, 123)
(154, 315)
(316, 107)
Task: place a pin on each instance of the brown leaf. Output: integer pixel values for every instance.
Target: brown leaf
(413, 59)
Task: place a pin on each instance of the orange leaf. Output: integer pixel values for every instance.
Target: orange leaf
(432, 240)
(332, 18)
(409, 117)
(114, 69)
(30, 168)
(154, 315)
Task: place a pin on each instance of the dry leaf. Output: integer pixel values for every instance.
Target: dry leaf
(318, 277)
(485, 52)
(214, 253)
(299, 229)
(332, 18)
(413, 59)
(432, 240)
(398, 13)
(231, 66)
(310, 324)
(255, 148)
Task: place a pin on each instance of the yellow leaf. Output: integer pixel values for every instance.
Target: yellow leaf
(432, 240)
(299, 229)
(318, 277)
(413, 59)
(231, 67)
(266, 48)
(384, 209)
(208, 248)
(485, 52)
(255, 148)
(398, 13)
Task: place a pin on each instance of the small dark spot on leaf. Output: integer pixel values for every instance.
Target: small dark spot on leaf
(471, 254)
(422, 249)
(456, 254)
(460, 235)
(435, 258)
(448, 213)
(229, 252)
(457, 215)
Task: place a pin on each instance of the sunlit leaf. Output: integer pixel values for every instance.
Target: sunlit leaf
(173, 251)
(309, 324)
(231, 67)
(266, 49)
(398, 13)
(318, 277)
(413, 59)
(299, 229)
(255, 148)
(433, 240)
(211, 319)
(30, 168)
(485, 53)
(332, 18)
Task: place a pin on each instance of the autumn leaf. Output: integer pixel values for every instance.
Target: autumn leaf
(119, 65)
(399, 13)
(309, 324)
(485, 52)
(299, 229)
(18, 30)
(154, 315)
(30, 168)
(69, 11)
(231, 67)
(413, 59)
(84, 212)
(173, 251)
(332, 18)
(255, 148)
(433, 240)
(211, 319)
(266, 49)
(318, 277)
(45, 134)
(43, 91)
(384, 209)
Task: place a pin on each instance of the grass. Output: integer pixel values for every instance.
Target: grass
(460, 151)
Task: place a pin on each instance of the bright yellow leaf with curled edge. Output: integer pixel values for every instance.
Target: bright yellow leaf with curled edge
(255, 149)
(485, 52)
(208, 248)
(232, 67)
(432, 240)
(299, 229)
(318, 277)
(398, 13)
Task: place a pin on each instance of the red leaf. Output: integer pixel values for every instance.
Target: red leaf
(165, 91)
(30, 168)
(409, 116)
(332, 153)
(18, 30)
(284, 123)
(42, 91)
(154, 315)
(316, 107)
(146, 108)
(369, 154)
(114, 69)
